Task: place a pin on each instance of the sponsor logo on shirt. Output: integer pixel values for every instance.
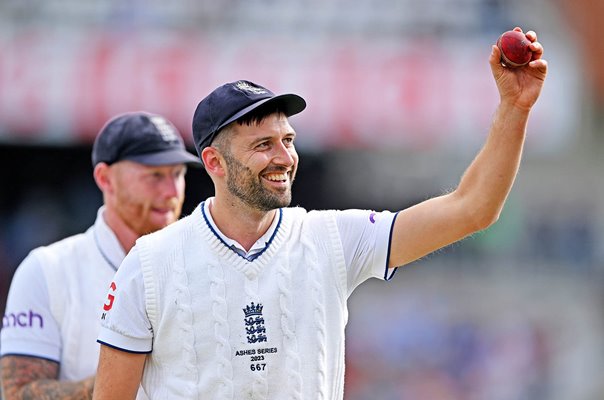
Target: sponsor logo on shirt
(372, 217)
(110, 298)
(24, 319)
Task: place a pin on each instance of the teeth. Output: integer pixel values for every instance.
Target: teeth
(277, 177)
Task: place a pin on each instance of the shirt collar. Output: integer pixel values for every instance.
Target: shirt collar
(260, 244)
(107, 242)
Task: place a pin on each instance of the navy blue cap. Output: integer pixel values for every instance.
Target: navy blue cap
(231, 101)
(141, 137)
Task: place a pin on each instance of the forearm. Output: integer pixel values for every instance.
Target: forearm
(50, 389)
(488, 180)
(479, 198)
(25, 377)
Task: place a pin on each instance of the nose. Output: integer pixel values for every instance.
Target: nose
(285, 155)
(172, 186)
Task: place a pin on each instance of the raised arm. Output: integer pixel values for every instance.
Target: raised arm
(25, 377)
(479, 198)
(119, 374)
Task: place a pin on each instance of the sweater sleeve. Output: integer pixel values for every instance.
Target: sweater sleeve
(365, 236)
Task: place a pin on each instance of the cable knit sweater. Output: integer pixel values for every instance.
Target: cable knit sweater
(228, 328)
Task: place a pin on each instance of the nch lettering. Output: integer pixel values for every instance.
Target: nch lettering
(23, 319)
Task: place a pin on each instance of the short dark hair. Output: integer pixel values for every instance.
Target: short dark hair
(259, 114)
(254, 117)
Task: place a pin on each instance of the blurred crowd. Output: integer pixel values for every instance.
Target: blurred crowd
(457, 360)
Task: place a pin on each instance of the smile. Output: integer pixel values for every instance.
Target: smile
(282, 177)
(162, 210)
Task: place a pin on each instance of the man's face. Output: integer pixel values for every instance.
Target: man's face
(147, 198)
(261, 163)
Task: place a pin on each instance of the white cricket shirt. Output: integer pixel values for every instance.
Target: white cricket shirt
(55, 298)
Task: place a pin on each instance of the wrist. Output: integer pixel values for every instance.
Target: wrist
(511, 118)
(512, 108)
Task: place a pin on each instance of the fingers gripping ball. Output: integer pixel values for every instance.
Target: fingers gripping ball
(514, 47)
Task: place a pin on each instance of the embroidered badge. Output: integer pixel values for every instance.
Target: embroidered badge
(254, 323)
(247, 87)
(256, 333)
(167, 131)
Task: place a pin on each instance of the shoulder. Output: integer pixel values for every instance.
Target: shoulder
(315, 220)
(30, 270)
(308, 216)
(64, 249)
(300, 212)
(171, 232)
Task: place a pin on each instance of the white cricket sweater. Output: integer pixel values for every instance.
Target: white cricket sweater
(228, 328)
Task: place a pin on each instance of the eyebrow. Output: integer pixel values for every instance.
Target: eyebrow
(261, 139)
(264, 138)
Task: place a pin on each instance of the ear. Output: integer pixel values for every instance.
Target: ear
(213, 161)
(102, 177)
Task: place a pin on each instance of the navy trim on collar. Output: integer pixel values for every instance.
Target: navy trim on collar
(253, 257)
(100, 248)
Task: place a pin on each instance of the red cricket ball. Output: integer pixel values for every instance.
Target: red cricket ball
(514, 47)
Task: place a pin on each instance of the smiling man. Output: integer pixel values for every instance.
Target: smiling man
(246, 297)
(49, 348)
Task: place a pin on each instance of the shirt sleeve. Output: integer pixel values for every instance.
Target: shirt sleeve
(124, 321)
(28, 326)
(366, 236)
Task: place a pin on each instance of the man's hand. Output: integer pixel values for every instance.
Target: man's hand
(520, 87)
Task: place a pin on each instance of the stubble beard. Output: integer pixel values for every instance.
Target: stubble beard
(136, 216)
(246, 186)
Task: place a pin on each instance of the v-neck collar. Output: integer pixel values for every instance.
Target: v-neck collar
(225, 248)
(258, 247)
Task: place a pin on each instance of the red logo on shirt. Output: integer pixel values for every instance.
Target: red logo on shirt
(110, 297)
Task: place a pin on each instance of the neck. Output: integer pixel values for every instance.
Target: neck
(239, 222)
(125, 235)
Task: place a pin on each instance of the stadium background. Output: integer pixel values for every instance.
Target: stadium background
(400, 97)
